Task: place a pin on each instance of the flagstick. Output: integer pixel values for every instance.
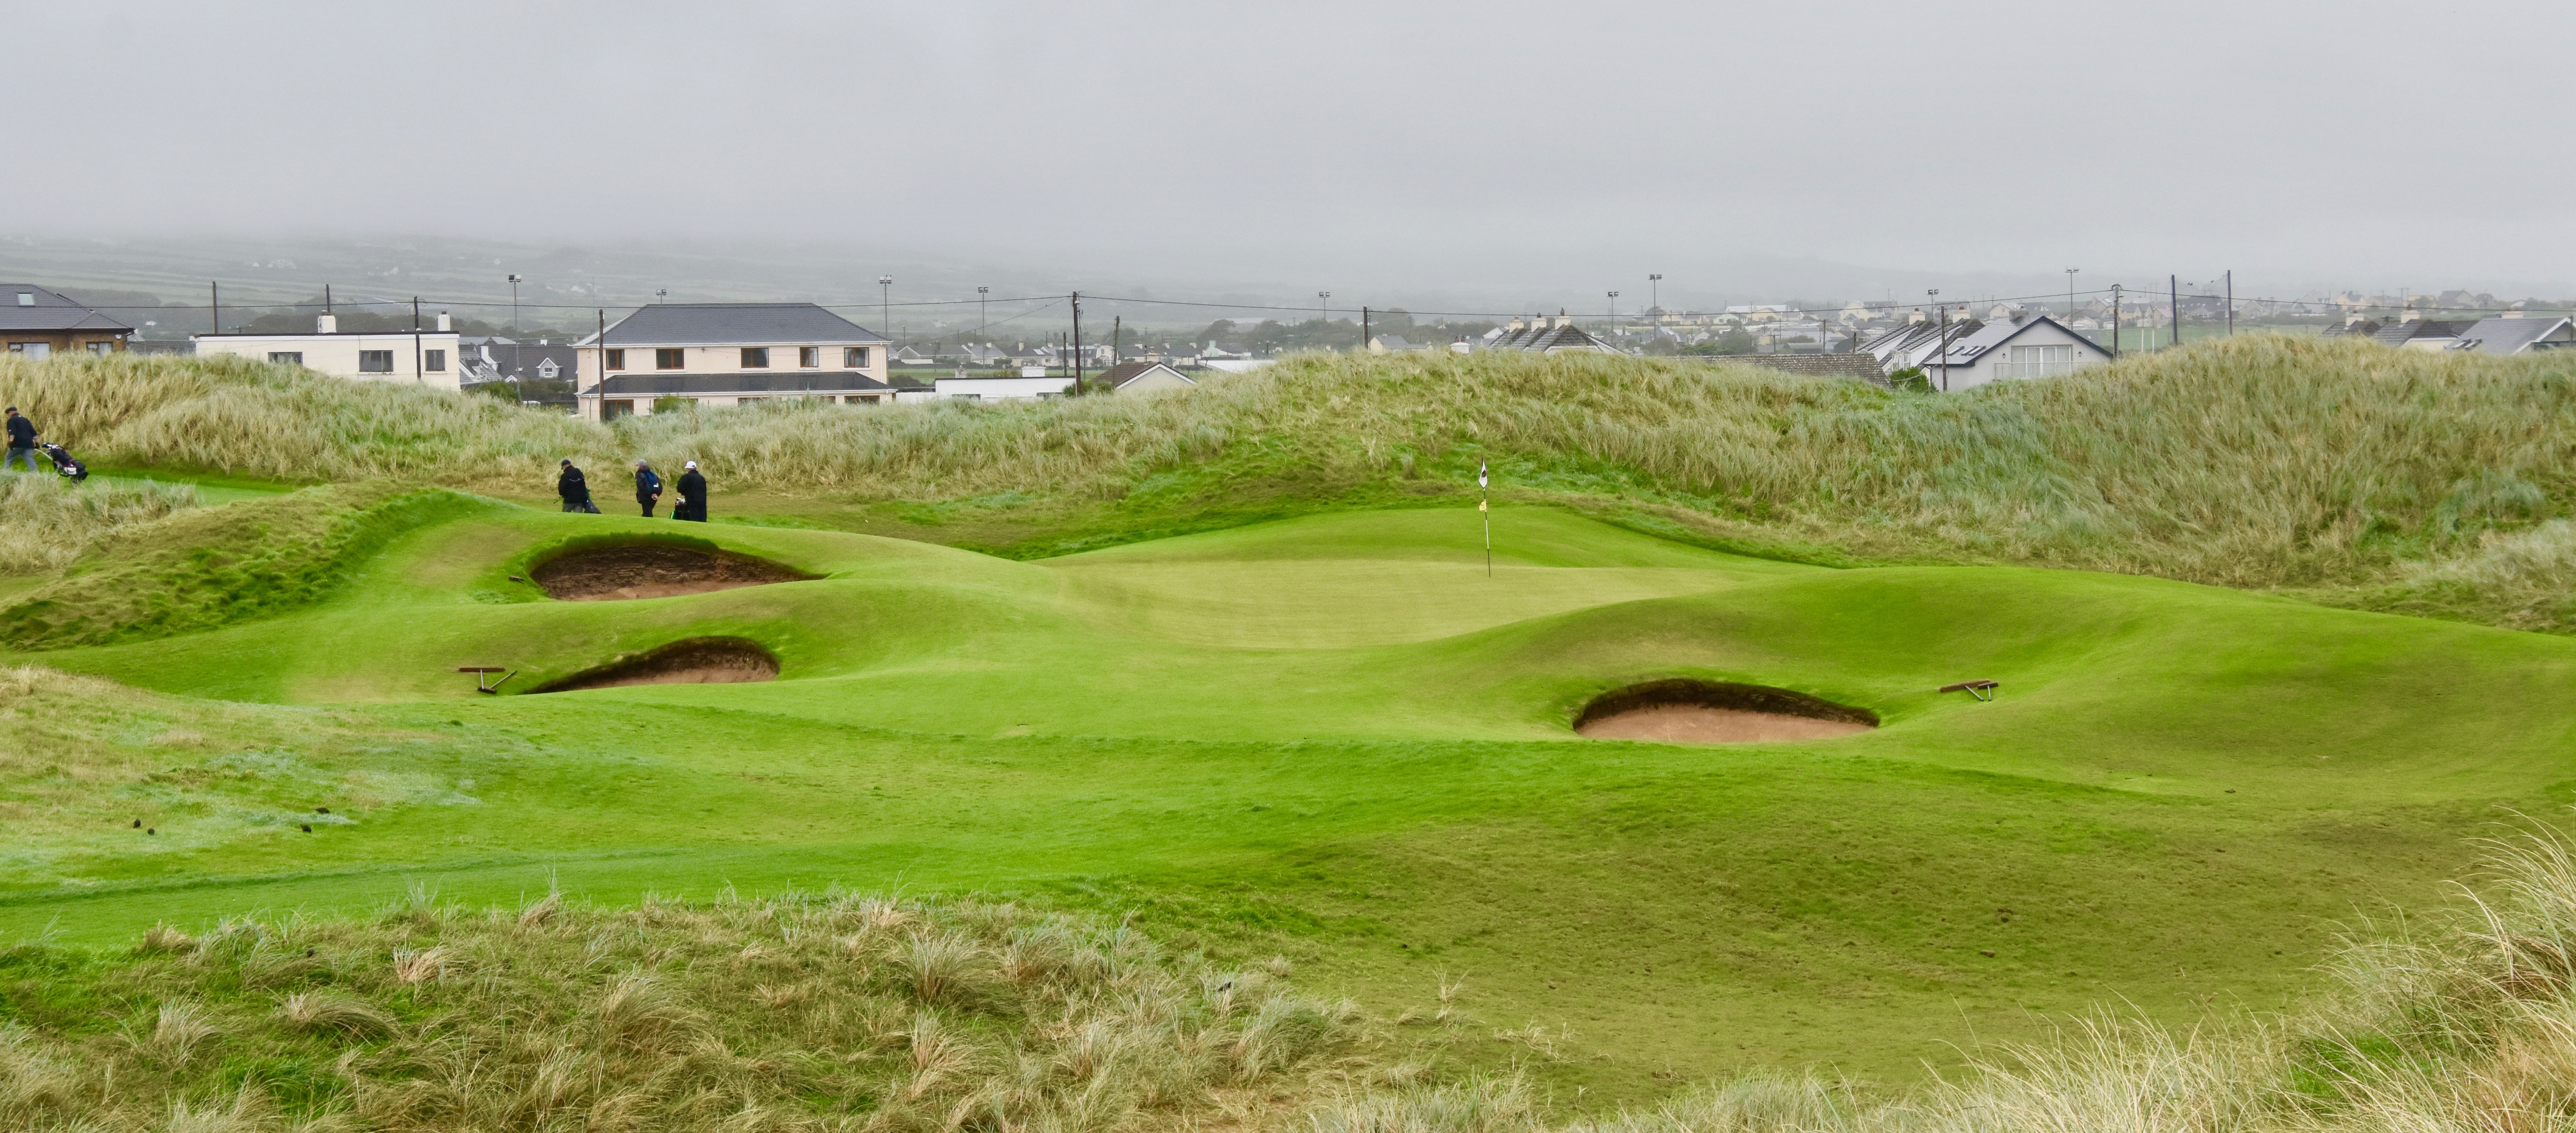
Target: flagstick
(1484, 498)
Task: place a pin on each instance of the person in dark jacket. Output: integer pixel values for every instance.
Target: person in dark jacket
(22, 441)
(693, 495)
(648, 488)
(574, 490)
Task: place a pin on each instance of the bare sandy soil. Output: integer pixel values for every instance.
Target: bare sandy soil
(705, 661)
(647, 570)
(1701, 724)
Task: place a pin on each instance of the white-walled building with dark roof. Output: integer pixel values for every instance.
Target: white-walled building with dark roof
(2023, 344)
(722, 354)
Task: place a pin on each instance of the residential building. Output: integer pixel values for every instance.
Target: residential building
(723, 354)
(2026, 345)
(2414, 332)
(1027, 387)
(1539, 335)
(37, 323)
(1143, 377)
(502, 359)
(1909, 345)
(1393, 344)
(422, 357)
(2518, 334)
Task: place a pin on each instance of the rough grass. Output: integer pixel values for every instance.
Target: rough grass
(202, 568)
(2261, 461)
(826, 1012)
(46, 523)
(840, 1012)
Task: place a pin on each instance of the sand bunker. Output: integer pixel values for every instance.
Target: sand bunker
(697, 661)
(1708, 712)
(652, 570)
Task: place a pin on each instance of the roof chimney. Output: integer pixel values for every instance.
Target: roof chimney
(326, 324)
(442, 323)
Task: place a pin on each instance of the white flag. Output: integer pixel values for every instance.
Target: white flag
(1480, 474)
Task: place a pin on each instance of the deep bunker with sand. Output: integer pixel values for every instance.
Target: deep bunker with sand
(697, 661)
(1715, 712)
(597, 572)
(1334, 739)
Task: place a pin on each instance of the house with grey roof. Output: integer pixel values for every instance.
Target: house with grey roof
(2511, 334)
(2023, 345)
(2416, 333)
(37, 323)
(1541, 335)
(723, 354)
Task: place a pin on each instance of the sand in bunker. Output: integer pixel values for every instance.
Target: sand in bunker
(717, 661)
(647, 570)
(1702, 724)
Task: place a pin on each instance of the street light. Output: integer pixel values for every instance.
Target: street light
(1614, 305)
(885, 303)
(2070, 292)
(1323, 313)
(1655, 293)
(983, 320)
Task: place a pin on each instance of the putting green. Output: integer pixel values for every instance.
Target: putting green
(1342, 738)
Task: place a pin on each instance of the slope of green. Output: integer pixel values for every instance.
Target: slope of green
(1337, 737)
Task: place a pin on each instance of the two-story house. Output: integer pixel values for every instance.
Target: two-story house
(721, 354)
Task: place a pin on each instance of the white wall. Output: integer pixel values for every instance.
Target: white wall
(1002, 389)
(337, 354)
(728, 360)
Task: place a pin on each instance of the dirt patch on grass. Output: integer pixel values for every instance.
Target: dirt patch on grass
(1710, 712)
(697, 661)
(653, 570)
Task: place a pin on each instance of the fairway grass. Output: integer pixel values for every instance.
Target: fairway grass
(1339, 739)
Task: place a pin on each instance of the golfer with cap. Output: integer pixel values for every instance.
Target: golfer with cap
(22, 441)
(693, 495)
(648, 488)
(574, 490)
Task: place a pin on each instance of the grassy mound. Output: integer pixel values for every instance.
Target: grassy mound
(203, 568)
(2260, 461)
(791, 1013)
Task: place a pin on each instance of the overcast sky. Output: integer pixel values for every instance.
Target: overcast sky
(1378, 144)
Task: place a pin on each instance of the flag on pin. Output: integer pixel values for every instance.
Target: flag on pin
(1480, 474)
(1480, 505)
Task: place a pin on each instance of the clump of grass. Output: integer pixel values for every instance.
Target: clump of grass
(46, 522)
(669, 1016)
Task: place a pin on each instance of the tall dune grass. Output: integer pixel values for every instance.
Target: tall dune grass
(2258, 461)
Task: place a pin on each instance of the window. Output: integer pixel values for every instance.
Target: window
(612, 410)
(101, 348)
(437, 363)
(854, 357)
(617, 359)
(375, 361)
(26, 298)
(809, 356)
(755, 357)
(667, 358)
(286, 357)
(2037, 362)
(32, 351)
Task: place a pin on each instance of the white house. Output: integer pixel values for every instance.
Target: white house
(2513, 334)
(427, 357)
(2023, 345)
(1144, 377)
(721, 354)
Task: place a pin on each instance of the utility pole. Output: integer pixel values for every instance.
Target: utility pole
(1117, 339)
(602, 344)
(2173, 293)
(1941, 337)
(983, 314)
(1364, 329)
(2070, 293)
(885, 322)
(2231, 302)
(2115, 320)
(218, 309)
(1323, 312)
(1077, 343)
(417, 374)
(326, 299)
(514, 324)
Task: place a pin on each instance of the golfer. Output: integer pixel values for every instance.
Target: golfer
(693, 495)
(648, 488)
(574, 490)
(22, 441)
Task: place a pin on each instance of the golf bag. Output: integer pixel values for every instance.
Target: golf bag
(69, 468)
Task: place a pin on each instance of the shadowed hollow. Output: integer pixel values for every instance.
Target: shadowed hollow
(1708, 712)
(698, 661)
(652, 570)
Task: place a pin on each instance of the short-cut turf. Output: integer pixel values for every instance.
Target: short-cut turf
(1339, 737)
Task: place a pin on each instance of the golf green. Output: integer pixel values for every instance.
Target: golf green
(1347, 739)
